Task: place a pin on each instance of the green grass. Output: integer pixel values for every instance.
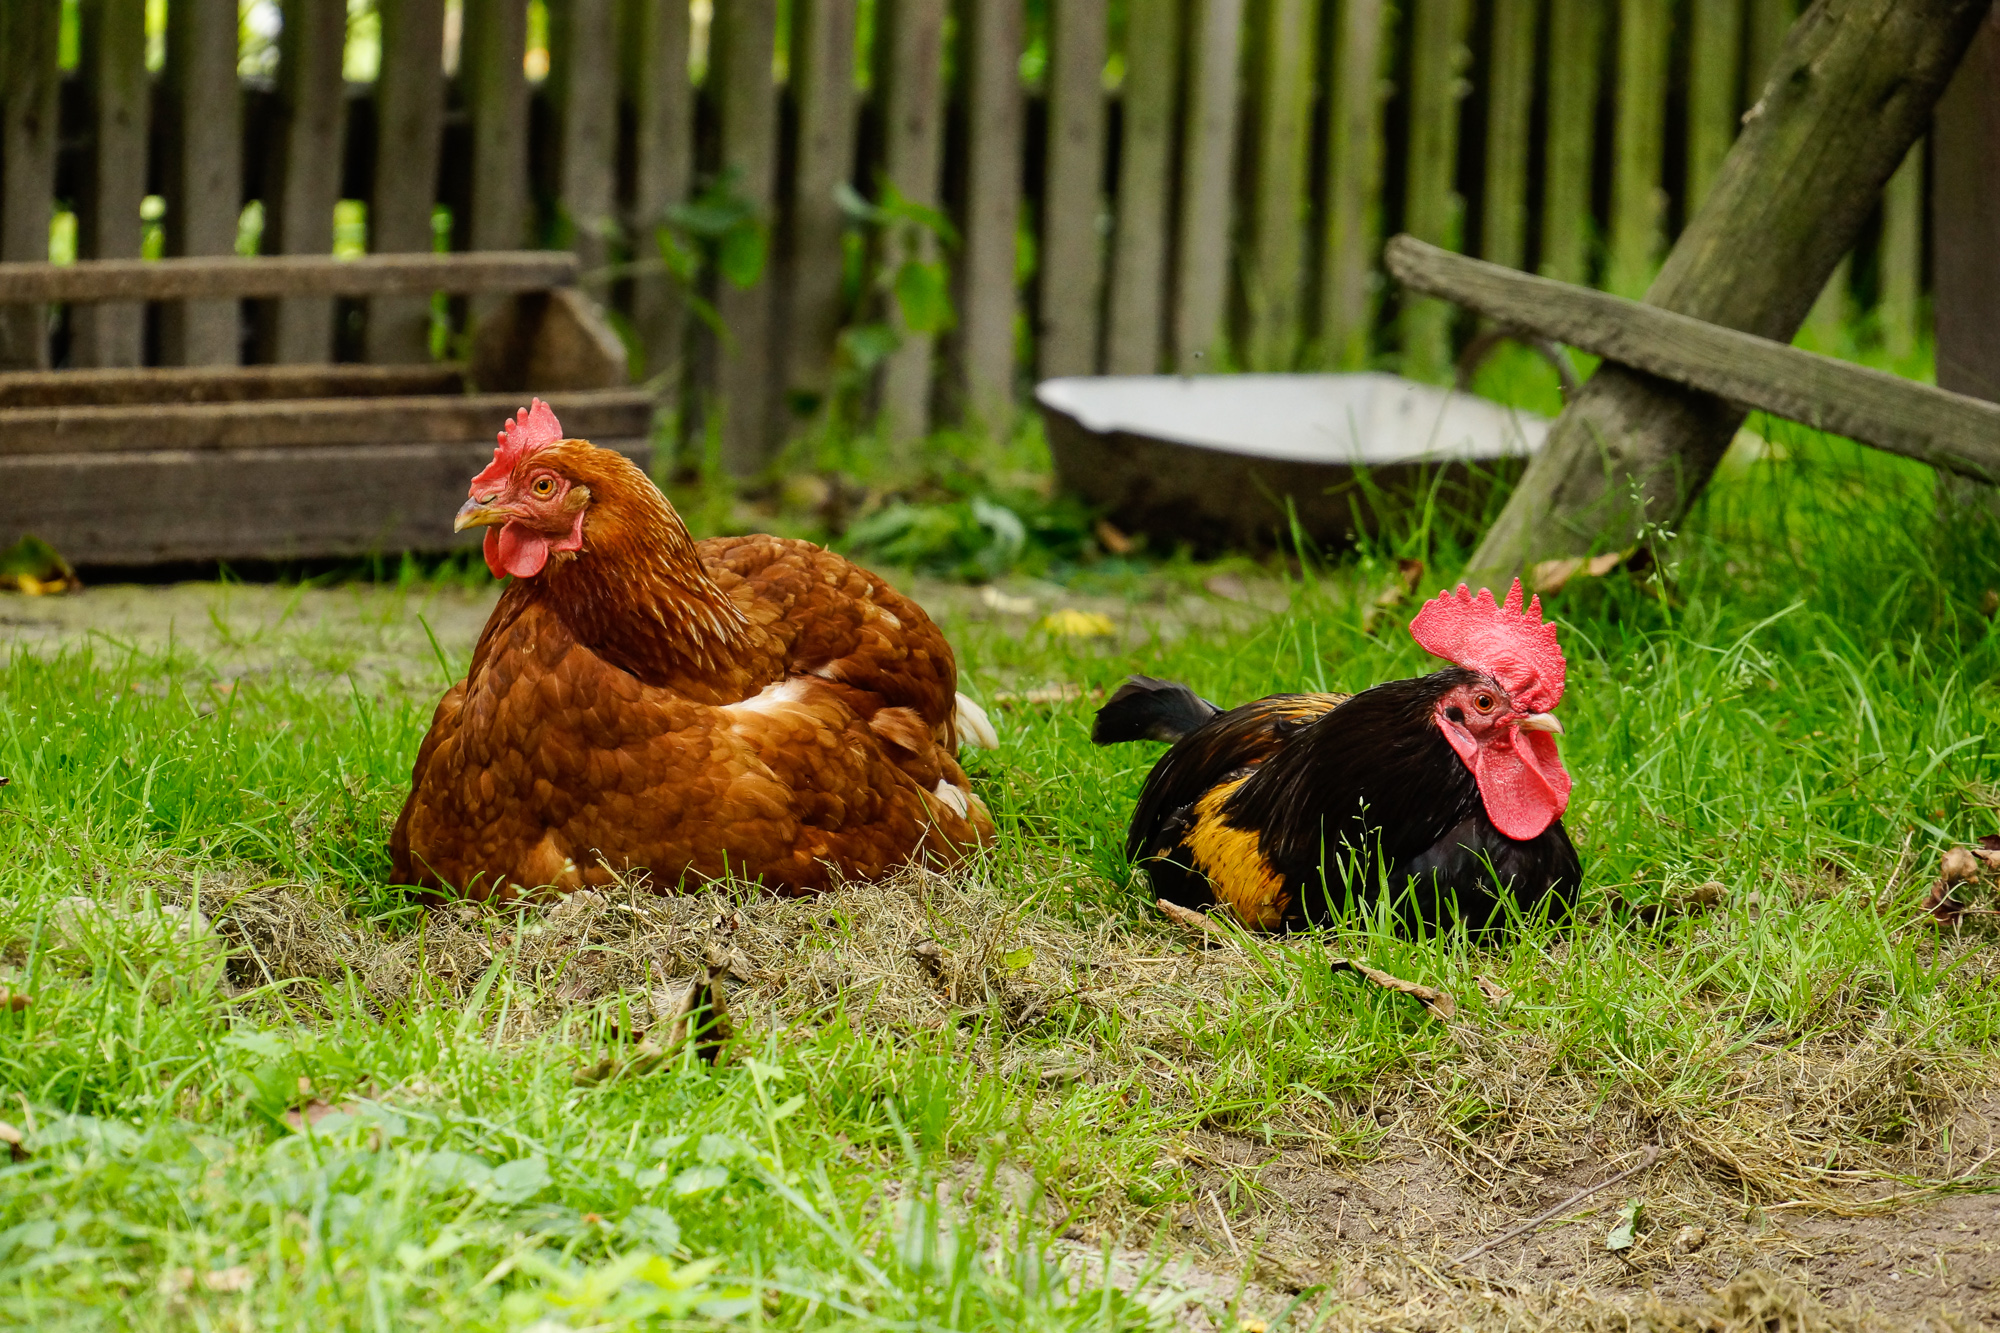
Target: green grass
(1803, 710)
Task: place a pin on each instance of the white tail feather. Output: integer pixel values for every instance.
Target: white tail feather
(973, 726)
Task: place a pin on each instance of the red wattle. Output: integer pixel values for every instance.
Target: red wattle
(510, 549)
(1522, 784)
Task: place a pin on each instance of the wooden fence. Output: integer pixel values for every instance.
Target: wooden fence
(900, 210)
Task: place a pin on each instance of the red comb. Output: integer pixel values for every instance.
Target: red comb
(533, 427)
(1516, 647)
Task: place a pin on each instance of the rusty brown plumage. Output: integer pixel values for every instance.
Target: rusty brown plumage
(752, 706)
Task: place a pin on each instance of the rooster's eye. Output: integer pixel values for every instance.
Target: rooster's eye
(545, 486)
(1484, 703)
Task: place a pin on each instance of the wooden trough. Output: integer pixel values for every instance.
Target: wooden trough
(151, 465)
(1226, 461)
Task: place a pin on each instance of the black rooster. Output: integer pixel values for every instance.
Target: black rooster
(1446, 790)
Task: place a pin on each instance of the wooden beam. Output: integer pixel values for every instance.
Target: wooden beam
(409, 130)
(989, 296)
(28, 79)
(1072, 257)
(911, 51)
(204, 172)
(1353, 186)
(1965, 267)
(238, 277)
(1854, 87)
(108, 222)
(302, 423)
(1145, 180)
(298, 209)
(124, 386)
(1203, 256)
(1947, 430)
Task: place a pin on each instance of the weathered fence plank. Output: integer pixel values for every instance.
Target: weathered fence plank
(1965, 220)
(1715, 76)
(1203, 260)
(987, 291)
(130, 385)
(493, 39)
(1638, 204)
(741, 46)
(1431, 209)
(822, 64)
(1136, 329)
(583, 52)
(1354, 185)
(298, 212)
(1576, 56)
(1072, 256)
(409, 120)
(1284, 140)
(236, 277)
(113, 66)
(912, 64)
(204, 176)
(28, 78)
(1509, 102)
(662, 97)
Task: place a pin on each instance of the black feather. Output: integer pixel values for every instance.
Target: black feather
(1145, 709)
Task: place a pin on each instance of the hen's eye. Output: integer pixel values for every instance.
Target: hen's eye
(545, 486)
(1484, 703)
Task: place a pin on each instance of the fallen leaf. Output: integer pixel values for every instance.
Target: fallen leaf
(1960, 866)
(1111, 539)
(929, 956)
(1551, 575)
(14, 1000)
(1943, 908)
(1066, 692)
(1227, 586)
(1690, 1238)
(1623, 1234)
(995, 600)
(315, 1111)
(228, 1279)
(1494, 992)
(12, 1138)
(1016, 959)
(1438, 1002)
(1707, 895)
(1189, 919)
(1071, 623)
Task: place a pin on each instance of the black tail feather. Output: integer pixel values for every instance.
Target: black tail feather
(1151, 710)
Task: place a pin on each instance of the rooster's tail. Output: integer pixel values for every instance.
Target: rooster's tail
(1151, 710)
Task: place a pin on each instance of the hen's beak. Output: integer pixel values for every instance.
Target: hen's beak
(474, 514)
(1542, 722)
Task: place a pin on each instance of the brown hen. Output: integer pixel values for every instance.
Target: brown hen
(642, 702)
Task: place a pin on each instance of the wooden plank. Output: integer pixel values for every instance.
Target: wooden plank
(662, 97)
(1902, 260)
(1965, 222)
(113, 61)
(1715, 76)
(493, 42)
(1431, 206)
(1137, 331)
(1510, 99)
(1638, 204)
(254, 504)
(204, 175)
(305, 422)
(303, 187)
(547, 341)
(28, 78)
(1948, 430)
(822, 64)
(1204, 258)
(240, 276)
(912, 83)
(1276, 291)
(1576, 55)
(742, 43)
(988, 294)
(1353, 185)
(1072, 259)
(222, 384)
(583, 49)
(409, 131)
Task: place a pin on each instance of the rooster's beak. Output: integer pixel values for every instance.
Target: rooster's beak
(474, 514)
(1542, 722)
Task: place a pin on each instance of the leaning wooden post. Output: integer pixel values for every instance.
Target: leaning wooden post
(1854, 87)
